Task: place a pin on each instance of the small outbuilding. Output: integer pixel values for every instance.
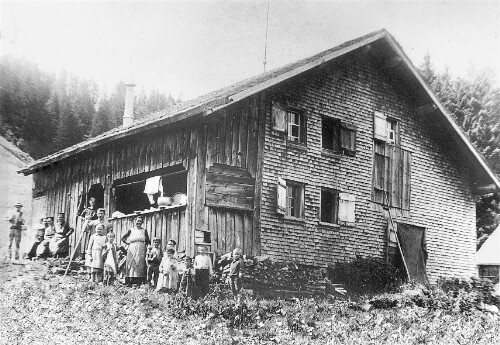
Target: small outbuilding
(488, 258)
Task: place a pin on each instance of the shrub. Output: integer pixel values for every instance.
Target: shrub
(365, 275)
(469, 291)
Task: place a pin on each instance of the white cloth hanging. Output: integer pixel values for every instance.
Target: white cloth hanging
(153, 185)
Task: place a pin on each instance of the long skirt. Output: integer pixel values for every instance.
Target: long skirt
(43, 249)
(97, 261)
(58, 245)
(136, 260)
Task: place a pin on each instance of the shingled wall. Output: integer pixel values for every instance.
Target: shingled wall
(441, 197)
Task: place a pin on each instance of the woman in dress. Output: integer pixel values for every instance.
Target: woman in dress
(59, 244)
(137, 239)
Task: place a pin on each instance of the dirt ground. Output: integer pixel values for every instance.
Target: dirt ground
(40, 306)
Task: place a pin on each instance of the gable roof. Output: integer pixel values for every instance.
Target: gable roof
(221, 98)
(489, 254)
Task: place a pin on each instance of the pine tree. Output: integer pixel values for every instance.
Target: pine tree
(102, 120)
(474, 104)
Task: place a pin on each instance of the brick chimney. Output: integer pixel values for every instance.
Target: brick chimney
(128, 114)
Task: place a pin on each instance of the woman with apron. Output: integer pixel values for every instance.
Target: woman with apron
(137, 239)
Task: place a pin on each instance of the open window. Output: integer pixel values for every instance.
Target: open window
(290, 197)
(329, 212)
(385, 129)
(337, 136)
(291, 121)
(140, 192)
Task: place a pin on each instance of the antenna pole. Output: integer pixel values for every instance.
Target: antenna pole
(265, 44)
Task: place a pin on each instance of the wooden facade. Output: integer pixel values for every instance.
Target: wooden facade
(219, 156)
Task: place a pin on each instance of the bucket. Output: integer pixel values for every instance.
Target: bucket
(179, 199)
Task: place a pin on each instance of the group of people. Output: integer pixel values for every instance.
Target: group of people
(52, 238)
(164, 270)
(143, 263)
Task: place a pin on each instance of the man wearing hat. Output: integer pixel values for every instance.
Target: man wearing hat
(16, 221)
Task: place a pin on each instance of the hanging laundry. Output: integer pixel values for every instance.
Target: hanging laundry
(153, 186)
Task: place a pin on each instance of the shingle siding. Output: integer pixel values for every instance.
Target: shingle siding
(441, 198)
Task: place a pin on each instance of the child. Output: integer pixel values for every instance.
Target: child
(168, 268)
(203, 271)
(94, 251)
(187, 278)
(235, 272)
(110, 259)
(153, 259)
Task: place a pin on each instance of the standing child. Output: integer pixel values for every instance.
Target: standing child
(203, 271)
(168, 268)
(94, 251)
(153, 259)
(187, 278)
(235, 272)
(110, 258)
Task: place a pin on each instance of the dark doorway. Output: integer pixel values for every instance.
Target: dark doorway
(414, 249)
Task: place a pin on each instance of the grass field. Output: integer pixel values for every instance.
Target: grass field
(39, 307)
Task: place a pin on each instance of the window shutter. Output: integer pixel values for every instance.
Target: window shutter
(396, 176)
(379, 126)
(406, 179)
(348, 138)
(347, 206)
(281, 196)
(279, 117)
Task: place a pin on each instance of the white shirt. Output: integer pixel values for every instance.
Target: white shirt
(203, 262)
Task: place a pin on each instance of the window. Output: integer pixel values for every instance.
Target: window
(330, 134)
(290, 198)
(128, 193)
(296, 127)
(338, 137)
(386, 129)
(329, 206)
(392, 131)
(291, 121)
(294, 199)
(391, 175)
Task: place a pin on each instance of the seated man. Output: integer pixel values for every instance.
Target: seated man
(40, 232)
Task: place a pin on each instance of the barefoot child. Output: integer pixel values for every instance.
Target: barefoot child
(187, 278)
(203, 269)
(94, 251)
(153, 259)
(168, 268)
(110, 258)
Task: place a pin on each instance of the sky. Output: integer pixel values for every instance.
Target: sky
(188, 48)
